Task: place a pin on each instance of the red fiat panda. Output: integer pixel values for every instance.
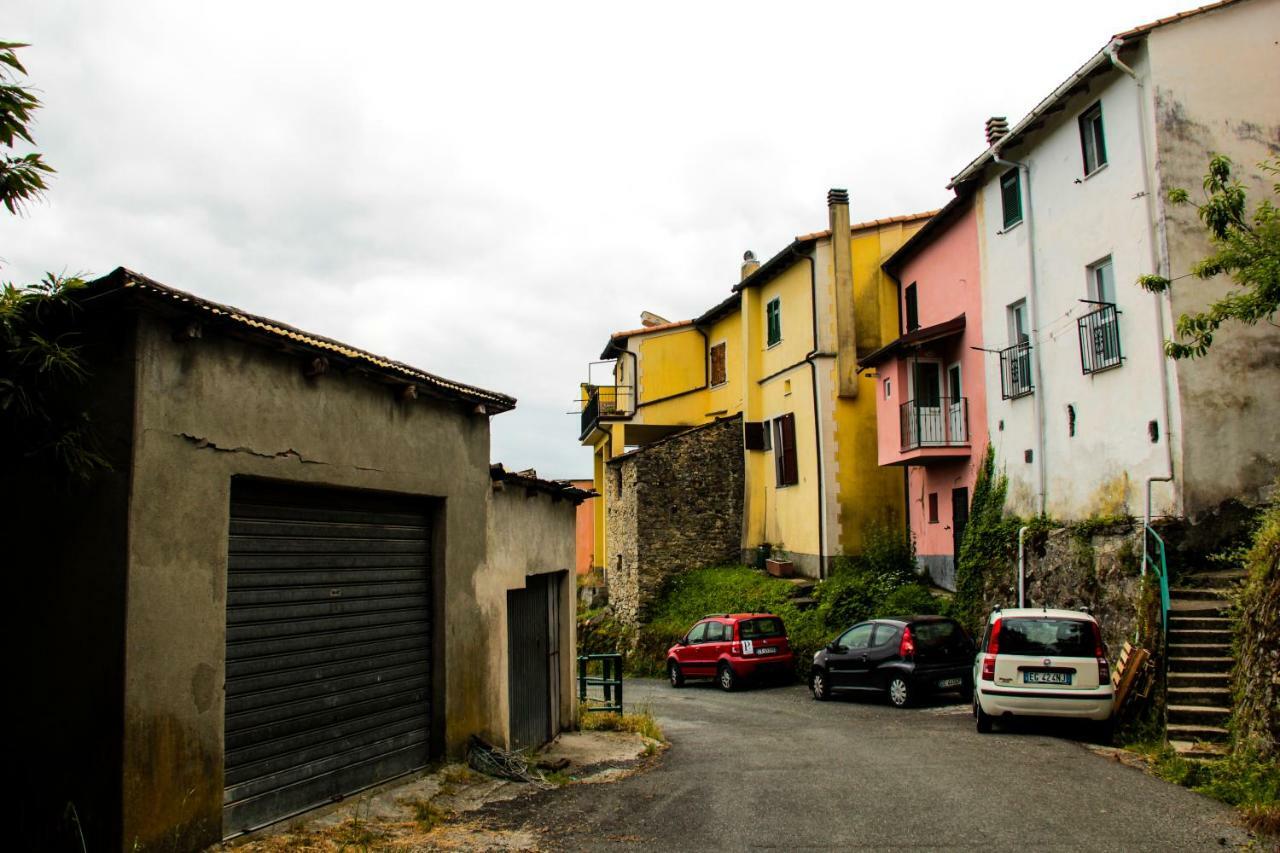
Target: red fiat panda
(732, 648)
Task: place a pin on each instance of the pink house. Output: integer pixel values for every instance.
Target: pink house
(930, 394)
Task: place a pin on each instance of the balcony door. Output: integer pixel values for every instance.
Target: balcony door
(954, 403)
(926, 394)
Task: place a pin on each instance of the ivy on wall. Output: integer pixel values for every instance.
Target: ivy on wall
(987, 549)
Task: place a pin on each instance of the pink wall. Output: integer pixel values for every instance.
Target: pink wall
(946, 275)
(585, 529)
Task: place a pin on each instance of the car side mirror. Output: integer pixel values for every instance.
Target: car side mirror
(683, 641)
(836, 647)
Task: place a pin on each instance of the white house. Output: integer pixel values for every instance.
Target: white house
(1086, 414)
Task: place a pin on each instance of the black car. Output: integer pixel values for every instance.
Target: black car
(904, 658)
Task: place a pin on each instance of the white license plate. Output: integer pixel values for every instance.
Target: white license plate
(949, 682)
(1034, 677)
(767, 650)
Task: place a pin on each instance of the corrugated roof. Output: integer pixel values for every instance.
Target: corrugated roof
(1069, 87)
(153, 293)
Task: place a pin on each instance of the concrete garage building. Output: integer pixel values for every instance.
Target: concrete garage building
(301, 578)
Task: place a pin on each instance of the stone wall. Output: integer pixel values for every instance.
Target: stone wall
(672, 506)
(1256, 679)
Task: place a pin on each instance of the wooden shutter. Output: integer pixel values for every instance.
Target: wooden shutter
(718, 371)
(753, 436)
(784, 450)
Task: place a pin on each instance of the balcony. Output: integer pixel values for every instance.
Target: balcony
(1100, 339)
(940, 422)
(604, 401)
(1015, 371)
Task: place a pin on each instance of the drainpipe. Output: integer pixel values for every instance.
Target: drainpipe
(1022, 567)
(1035, 322)
(1160, 264)
(817, 414)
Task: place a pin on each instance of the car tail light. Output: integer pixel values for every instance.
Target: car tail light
(1104, 672)
(735, 648)
(993, 642)
(907, 647)
(989, 668)
(1100, 652)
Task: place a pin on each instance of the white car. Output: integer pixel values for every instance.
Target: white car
(1037, 662)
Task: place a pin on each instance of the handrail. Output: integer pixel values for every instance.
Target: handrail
(1161, 568)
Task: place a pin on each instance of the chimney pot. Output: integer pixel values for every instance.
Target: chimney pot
(749, 264)
(837, 196)
(997, 128)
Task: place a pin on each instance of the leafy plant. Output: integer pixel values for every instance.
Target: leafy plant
(987, 548)
(1247, 251)
(21, 176)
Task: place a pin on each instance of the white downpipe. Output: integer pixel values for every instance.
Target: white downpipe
(1032, 302)
(1159, 263)
(1022, 567)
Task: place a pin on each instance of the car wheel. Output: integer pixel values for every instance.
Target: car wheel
(819, 686)
(674, 673)
(982, 717)
(1104, 732)
(727, 678)
(899, 692)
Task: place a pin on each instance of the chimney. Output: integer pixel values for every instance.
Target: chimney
(749, 264)
(997, 129)
(842, 281)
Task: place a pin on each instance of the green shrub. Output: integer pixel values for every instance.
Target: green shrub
(913, 599)
(988, 548)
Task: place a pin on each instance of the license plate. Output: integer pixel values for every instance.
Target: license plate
(767, 650)
(949, 682)
(1037, 677)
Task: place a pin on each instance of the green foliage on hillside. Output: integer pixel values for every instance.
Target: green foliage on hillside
(1256, 717)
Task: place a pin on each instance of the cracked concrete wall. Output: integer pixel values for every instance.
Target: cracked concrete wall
(212, 409)
(1230, 398)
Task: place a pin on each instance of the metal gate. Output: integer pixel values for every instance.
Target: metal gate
(328, 680)
(533, 660)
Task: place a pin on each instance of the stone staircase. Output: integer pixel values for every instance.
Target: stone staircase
(1200, 662)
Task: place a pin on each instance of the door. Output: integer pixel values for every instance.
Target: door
(328, 647)
(926, 392)
(847, 665)
(956, 433)
(959, 518)
(884, 649)
(533, 660)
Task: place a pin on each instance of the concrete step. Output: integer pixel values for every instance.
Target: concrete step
(801, 587)
(1206, 577)
(1199, 650)
(1196, 733)
(1214, 664)
(1221, 680)
(1200, 638)
(805, 602)
(1217, 680)
(1198, 608)
(1194, 622)
(1201, 695)
(1199, 751)
(1198, 715)
(1199, 593)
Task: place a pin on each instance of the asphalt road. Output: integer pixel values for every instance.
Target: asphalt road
(771, 768)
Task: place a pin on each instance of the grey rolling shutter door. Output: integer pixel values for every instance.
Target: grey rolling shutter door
(328, 679)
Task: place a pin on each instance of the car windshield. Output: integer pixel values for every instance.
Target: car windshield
(750, 629)
(1071, 638)
(937, 635)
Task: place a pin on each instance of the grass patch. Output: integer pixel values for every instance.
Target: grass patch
(1244, 780)
(641, 722)
(427, 815)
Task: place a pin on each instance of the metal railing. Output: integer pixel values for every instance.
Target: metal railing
(1100, 339)
(1154, 559)
(610, 679)
(940, 422)
(1015, 371)
(603, 400)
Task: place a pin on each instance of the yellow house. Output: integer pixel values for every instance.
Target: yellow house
(780, 352)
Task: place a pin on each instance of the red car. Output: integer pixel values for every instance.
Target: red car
(731, 649)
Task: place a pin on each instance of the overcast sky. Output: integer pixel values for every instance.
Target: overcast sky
(487, 190)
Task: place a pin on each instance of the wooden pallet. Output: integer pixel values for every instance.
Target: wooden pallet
(1127, 673)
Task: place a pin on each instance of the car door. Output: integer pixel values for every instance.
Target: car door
(693, 661)
(847, 660)
(714, 645)
(884, 650)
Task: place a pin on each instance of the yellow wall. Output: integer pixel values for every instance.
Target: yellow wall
(724, 400)
(671, 363)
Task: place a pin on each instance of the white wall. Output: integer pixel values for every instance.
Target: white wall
(1077, 221)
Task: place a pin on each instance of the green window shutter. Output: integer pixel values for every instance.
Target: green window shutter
(1011, 197)
(773, 313)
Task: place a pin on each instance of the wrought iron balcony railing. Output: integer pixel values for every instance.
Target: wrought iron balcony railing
(603, 400)
(940, 422)
(1100, 339)
(1015, 371)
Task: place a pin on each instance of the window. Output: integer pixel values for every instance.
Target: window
(697, 633)
(1102, 281)
(773, 318)
(719, 372)
(1019, 328)
(784, 450)
(765, 627)
(1093, 145)
(885, 634)
(1015, 359)
(715, 632)
(888, 389)
(913, 309)
(1011, 197)
(857, 637)
(933, 507)
(1100, 328)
